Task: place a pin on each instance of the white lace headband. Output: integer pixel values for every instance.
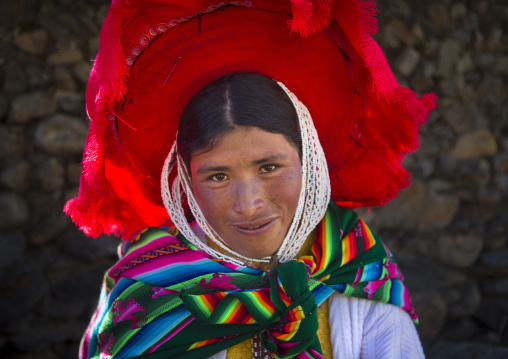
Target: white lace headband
(312, 204)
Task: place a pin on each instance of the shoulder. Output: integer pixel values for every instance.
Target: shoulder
(368, 329)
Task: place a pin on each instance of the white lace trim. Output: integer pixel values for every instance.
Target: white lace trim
(312, 203)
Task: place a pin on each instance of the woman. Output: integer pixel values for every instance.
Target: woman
(254, 176)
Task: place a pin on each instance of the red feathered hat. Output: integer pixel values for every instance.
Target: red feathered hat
(155, 55)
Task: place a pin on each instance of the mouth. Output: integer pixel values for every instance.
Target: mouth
(257, 227)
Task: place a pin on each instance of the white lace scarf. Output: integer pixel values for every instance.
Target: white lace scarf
(312, 204)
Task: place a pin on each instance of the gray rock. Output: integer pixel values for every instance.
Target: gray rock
(74, 173)
(22, 288)
(13, 142)
(44, 204)
(460, 250)
(69, 101)
(64, 80)
(83, 247)
(461, 330)
(497, 287)
(37, 77)
(407, 61)
(30, 341)
(422, 274)
(61, 134)
(450, 350)
(33, 42)
(55, 331)
(65, 57)
(67, 350)
(30, 106)
(448, 56)
(50, 175)
(63, 309)
(490, 88)
(439, 15)
(14, 78)
(48, 229)
(490, 196)
(495, 259)
(82, 71)
(13, 245)
(493, 314)
(501, 163)
(21, 323)
(19, 12)
(4, 105)
(93, 47)
(473, 174)
(475, 144)
(463, 300)
(16, 175)
(485, 60)
(494, 38)
(431, 309)
(501, 65)
(14, 210)
(464, 117)
(496, 232)
(419, 206)
(502, 182)
(81, 286)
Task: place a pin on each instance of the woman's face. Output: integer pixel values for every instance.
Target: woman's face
(248, 187)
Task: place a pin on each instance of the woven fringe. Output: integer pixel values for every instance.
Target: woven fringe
(368, 20)
(94, 188)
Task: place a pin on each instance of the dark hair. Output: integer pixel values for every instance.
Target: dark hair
(240, 99)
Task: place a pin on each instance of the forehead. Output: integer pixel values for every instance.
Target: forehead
(244, 145)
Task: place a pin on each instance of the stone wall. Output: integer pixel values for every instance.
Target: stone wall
(448, 230)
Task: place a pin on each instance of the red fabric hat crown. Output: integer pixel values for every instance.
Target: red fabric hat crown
(155, 55)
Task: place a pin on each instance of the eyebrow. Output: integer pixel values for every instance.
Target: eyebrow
(271, 158)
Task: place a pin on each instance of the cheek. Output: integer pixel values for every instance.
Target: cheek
(286, 191)
(211, 203)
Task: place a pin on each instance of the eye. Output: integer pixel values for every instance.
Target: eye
(268, 168)
(219, 177)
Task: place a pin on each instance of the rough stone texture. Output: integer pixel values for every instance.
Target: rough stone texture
(31, 106)
(423, 275)
(14, 210)
(476, 144)
(14, 78)
(449, 350)
(461, 251)
(16, 175)
(33, 42)
(12, 142)
(50, 175)
(69, 101)
(13, 245)
(448, 230)
(495, 258)
(65, 57)
(61, 134)
(463, 300)
(432, 306)
(417, 207)
(22, 288)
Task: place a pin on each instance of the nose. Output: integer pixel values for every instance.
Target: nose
(249, 198)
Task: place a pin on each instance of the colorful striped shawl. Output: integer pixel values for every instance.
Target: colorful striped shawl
(165, 299)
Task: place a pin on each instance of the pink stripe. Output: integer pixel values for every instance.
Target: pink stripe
(155, 244)
(176, 331)
(164, 261)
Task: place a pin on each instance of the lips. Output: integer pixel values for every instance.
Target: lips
(259, 226)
